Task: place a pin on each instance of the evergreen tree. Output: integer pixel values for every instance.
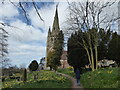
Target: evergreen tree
(114, 48)
(33, 65)
(104, 39)
(50, 59)
(76, 53)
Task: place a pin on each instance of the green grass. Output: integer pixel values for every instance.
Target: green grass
(46, 79)
(67, 71)
(102, 78)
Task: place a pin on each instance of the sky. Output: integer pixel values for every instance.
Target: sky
(27, 42)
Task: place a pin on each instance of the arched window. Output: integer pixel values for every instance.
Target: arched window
(51, 39)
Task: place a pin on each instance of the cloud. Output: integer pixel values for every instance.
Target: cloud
(28, 42)
(26, 49)
(47, 13)
(7, 10)
(25, 42)
(21, 52)
(25, 33)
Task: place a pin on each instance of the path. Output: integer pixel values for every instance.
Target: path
(74, 84)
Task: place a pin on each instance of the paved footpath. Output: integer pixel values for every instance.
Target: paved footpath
(73, 80)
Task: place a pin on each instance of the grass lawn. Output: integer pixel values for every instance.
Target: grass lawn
(102, 78)
(67, 71)
(46, 79)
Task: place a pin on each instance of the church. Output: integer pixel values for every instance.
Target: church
(52, 35)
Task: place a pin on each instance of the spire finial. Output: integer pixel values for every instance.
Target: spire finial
(49, 29)
(57, 5)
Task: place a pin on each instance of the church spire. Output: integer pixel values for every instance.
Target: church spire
(49, 32)
(56, 20)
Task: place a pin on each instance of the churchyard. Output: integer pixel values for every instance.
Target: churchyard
(45, 79)
(88, 42)
(101, 78)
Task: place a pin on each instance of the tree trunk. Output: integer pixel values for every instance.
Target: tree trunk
(88, 55)
(96, 57)
(92, 59)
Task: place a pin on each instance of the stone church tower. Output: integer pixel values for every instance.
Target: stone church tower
(52, 35)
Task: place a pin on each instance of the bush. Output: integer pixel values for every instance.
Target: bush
(70, 68)
(33, 66)
(3, 78)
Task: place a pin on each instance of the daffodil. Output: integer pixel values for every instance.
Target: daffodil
(98, 72)
(109, 72)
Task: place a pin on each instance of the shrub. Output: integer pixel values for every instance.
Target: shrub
(70, 68)
(33, 66)
(3, 78)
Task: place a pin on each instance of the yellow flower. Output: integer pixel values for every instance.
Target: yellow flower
(98, 72)
(110, 71)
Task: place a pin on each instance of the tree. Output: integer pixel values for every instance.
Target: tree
(23, 7)
(4, 48)
(33, 65)
(58, 49)
(50, 59)
(77, 56)
(114, 48)
(104, 39)
(89, 17)
(91, 44)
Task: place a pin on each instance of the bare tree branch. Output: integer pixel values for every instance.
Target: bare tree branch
(25, 13)
(87, 16)
(13, 4)
(6, 24)
(35, 6)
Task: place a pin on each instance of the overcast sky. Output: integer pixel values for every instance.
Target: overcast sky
(28, 42)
